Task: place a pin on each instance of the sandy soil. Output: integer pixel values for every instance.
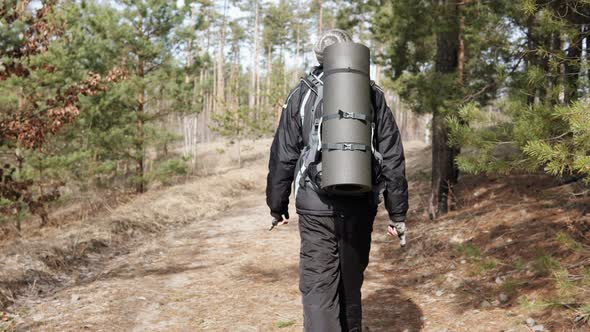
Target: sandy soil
(227, 272)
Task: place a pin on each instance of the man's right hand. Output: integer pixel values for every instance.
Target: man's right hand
(277, 219)
(398, 229)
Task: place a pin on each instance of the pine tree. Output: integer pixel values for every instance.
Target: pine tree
(442, 55)
(149, 24)
(542, 122)
(42, 83)
(277, 24)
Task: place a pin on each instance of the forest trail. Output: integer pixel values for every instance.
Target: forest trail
(229, 273)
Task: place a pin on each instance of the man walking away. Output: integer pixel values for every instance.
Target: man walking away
(335, 230)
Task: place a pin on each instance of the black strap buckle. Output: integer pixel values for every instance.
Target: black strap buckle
(347, 146)
(346, 115)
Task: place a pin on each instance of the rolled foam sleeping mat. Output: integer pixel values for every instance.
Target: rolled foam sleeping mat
(347, 120)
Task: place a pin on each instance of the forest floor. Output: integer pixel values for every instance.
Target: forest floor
(199, 257)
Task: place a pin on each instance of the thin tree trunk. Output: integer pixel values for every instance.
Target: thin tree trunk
(297, 44)
(220, 91)
(239, 153)
(587, 50)
(572, 67)
(461, 51)
(555, 81)
(268, 76)
(189, 52)
(299, 23)
(398, 103)
(321, 18)
(188, 131)
(139, 145)
(530, 59)
(209, 95)
(258, 99)
(214, 96)
(283, 68)
(235, 80)
(253, 72)
(238, 78)
(377, 73)
(232, 81)
(544, 64)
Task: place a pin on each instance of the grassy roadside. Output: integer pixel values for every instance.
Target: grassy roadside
(44, 259)
(519, 243)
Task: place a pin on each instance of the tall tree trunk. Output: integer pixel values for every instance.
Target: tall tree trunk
(139, 143)
(189, 52)
(297, 43)
(284, 70)
(18, 152)
(555, 80)
(203, 105)
(379, 48)
(258, 98)
(399, 110)
(220, 87)
(461, 51)
(321, 18)
(543, 62)
(587, 50)
(189, 132)
(139, 140)
(235, 76)
(530, 58)
(254, 69)
(211, 105)
(268, 76)
(215, 87)
(572, 67)
(237, 83)
(443, 166)
(232, 79)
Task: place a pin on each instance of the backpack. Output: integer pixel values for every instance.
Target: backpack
(309, 165)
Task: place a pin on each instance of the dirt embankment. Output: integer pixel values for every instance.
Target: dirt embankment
(514, 257)
(516, 249)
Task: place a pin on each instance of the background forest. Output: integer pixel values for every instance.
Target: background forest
(100, 94)
(117, 95)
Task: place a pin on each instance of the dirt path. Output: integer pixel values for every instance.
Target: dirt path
(228, 273)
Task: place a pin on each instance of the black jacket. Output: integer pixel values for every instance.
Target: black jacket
(290, 139)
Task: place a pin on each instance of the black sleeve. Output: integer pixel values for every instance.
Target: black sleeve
(284, 153)
(389, 144)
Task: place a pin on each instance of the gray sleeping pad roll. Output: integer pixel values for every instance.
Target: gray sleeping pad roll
(347, 120)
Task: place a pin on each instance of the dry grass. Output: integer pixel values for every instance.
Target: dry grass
(81, 235)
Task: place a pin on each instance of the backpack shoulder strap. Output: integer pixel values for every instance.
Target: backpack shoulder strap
(374, 150)
(310, 155)
(374, 85)
(315, 85)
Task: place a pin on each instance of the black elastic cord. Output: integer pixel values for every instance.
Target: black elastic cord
(344, 70)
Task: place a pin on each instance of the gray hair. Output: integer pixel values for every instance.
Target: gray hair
(328, 38)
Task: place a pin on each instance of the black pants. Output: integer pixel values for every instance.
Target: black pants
(333, 257)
